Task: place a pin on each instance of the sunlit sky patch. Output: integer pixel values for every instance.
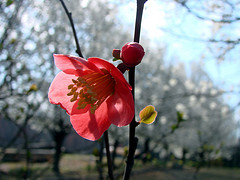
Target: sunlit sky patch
(184, 35)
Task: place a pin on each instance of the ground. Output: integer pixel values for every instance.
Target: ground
(82, 167)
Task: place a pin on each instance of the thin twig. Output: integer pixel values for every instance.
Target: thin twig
(138, 22)
(133, 141)
(78, 50)
(206, 18)
(109, 159)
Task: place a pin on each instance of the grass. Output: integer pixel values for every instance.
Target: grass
(187, 174)
(82, 167)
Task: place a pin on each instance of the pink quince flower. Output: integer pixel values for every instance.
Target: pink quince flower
(93, 92)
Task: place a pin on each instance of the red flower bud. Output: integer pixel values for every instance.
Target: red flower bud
(132, 54)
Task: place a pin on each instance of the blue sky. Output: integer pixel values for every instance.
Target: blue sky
(168, 25)
(183, 38)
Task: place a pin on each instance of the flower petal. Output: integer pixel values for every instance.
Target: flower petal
(91, 126)
(115, 72)
(121, 105)
(58, 91)
(73, 65)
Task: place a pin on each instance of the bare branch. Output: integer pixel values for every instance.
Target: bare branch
(69, 14)
(226, 21)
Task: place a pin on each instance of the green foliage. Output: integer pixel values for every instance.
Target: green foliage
(115, 59)
(174, 127)
(32, 88)
(9, 2)
(29, 154)
(89, 168)
(13, 41)
(125, 151)
(21, 109)
(180, 116)
(95, 152)
(208, 148)
(179, 121)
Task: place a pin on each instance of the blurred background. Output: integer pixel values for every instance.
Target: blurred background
(190, 73)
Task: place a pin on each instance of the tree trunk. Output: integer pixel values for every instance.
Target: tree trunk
(114, 154)
(99, 162)
(145, 151)
(58, 138)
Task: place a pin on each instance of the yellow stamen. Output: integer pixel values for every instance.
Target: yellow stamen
(93, 89)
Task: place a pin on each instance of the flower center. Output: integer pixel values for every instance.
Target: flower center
(93, 88)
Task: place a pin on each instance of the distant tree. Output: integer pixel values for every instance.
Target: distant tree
(31, 32)
(18, 100)
(170, 90)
